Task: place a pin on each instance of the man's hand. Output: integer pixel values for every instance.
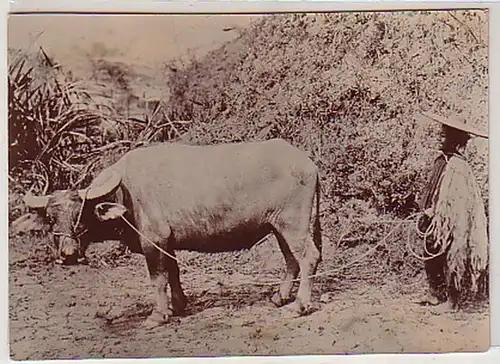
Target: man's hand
(429, 212)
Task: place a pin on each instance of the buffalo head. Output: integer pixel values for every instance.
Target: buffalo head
(71, 215)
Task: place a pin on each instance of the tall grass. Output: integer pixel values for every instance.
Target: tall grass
(50, 126)
(63, 130)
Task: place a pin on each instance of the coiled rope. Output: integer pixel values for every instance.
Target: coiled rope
(425, 235)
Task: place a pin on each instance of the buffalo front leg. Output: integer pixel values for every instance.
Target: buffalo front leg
(152, 237)
(159, 278)
(179, 300)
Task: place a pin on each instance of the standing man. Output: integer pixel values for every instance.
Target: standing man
(453, 225)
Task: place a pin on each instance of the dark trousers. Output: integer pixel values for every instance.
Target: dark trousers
(436, 277)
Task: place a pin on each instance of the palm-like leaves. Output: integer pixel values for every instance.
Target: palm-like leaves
(49, 119)
(58, 133)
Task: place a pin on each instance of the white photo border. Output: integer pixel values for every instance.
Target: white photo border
(152, 6)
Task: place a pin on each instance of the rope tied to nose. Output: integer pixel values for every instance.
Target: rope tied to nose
(76, 223)
(74, 233)
(119, 213)
(80, 213)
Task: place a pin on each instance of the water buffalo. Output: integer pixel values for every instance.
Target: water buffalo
(215, 198)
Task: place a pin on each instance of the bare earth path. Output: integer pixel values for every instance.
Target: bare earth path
(89, 311)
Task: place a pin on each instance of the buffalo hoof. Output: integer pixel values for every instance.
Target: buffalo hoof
(178, 306)
(309, 309)
(291, 311)
(156, 319)
(279, 301)
(297, 309)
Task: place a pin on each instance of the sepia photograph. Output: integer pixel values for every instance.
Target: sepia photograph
(212, 185)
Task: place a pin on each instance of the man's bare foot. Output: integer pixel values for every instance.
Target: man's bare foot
(429, 299)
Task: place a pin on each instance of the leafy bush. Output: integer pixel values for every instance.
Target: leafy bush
(345, 87)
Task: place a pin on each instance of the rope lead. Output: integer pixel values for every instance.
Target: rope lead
(273, 283)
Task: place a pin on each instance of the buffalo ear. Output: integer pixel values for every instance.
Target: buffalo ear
(109, 211)
(26, 223)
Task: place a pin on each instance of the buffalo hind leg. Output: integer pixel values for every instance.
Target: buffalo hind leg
(308, 265)
(282, 297)
(308, 259)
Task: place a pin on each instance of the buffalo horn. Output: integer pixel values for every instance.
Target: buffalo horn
(97, 190)
(36, 202)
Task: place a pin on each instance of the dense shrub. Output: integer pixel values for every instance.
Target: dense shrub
(346, 88)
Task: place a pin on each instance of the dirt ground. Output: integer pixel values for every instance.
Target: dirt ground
(97, 311)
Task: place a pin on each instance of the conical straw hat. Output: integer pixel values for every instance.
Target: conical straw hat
(456, 123)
